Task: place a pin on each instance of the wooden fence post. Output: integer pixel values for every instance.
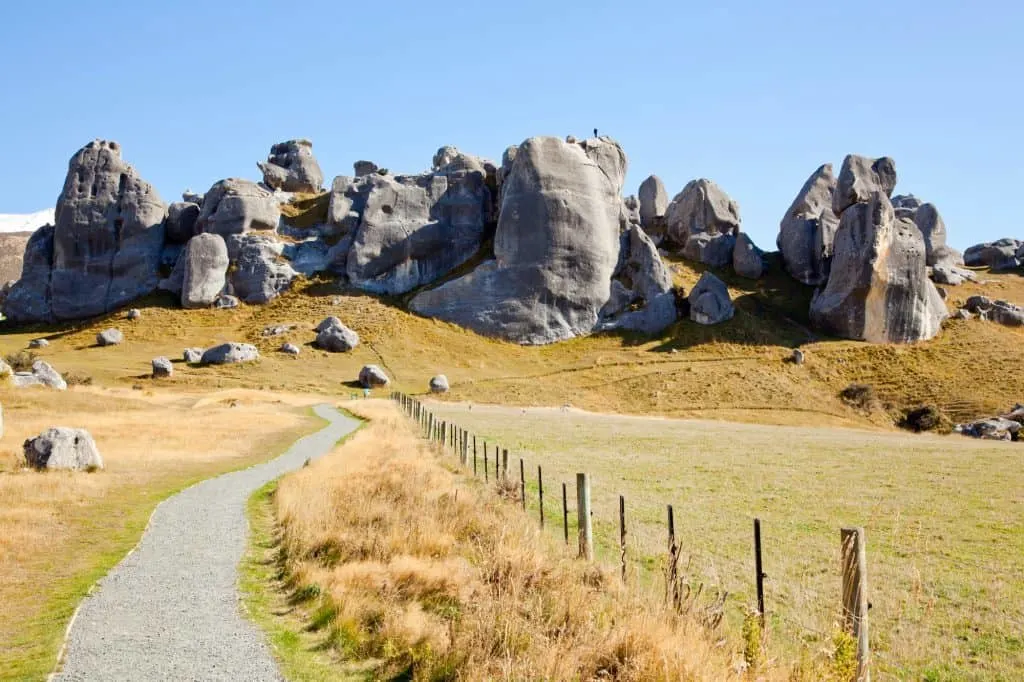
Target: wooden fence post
(855, 595)
(540, 495)
(565, 514)
(522, 482)
(622, 535)
(474, 454)
(672, 588)
(585, 523)
(504, 464)
(486, 464)
(759, 571)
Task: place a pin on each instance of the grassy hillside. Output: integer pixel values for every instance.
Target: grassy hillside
(733, 371)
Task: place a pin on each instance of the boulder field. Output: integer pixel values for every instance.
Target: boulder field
(540, 248)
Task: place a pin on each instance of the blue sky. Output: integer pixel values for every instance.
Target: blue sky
(752, 95)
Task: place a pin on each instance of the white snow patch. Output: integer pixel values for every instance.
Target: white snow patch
(26, 222)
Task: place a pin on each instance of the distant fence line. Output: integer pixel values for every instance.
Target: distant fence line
(452, 437)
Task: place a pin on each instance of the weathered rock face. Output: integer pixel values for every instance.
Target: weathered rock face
(162, 367)
(1000, 312)
(372, 376)
(653, 205)
(234, 206)
(641, 298)
(878, 289)
(347, 202)
(42, 374)
(39, 343)
(109, 337)
(709, 301)
(808, 229)
(439, 384)
(230, 353)
(555, 248)
(702, 222)
(996, 428)
(747, 259)
(105, 247)
(859, 178)
(290, 349)
(192, 356)
(364, 168)
(336, 337)
(180, 225)
(260, 273)
(204, 271)
(291, 167)
(1002, 254)
(63, 448)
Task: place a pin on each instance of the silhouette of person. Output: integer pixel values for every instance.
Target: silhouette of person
(595, 132)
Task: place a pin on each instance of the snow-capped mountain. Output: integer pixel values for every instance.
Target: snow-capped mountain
(25, 222)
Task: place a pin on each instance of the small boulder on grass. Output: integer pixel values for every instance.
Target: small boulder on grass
(372, 376)
(230, 353)
(290, 349)
(337, 339)
(134, 314)
(192, 356)
(439, 384)
(61, 447)
(109, 337)
(162, 367)
(38, 343)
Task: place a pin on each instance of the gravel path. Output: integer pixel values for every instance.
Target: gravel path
(170, 610)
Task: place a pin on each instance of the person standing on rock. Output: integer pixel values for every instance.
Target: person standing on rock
(595, 132)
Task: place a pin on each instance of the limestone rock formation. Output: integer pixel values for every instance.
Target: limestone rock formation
(180, 225)
(995, 428)
(226, 302)
(439, 384)
(364, 168)
(234, 206)
(109, 337)
(42, 374)
(859, 178)
(807, 231)
(1002, 254)
(1000, 312)
(642, 298)
(162, 367)
(204, 273)
(702, 223)
(878, 289)
(556, 246)
(346, 203)
(372, 376)
(65, 448)
(653, 205)
(945, 261)
(291, 167)
(260, 273)
(103, 251)
(229, 353)
(336, 337)
(192, 356)
(747, 259)
(709, 301)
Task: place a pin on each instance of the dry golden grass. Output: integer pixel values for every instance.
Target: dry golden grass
(944, 517)
(405, 569)
(61, 531)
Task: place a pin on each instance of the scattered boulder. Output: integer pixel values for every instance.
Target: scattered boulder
(709, 301)
(556, 246)
(798, 357)
(64, 448)
(291, 167)
(134, 314)
(204, 272)
(226, 302)
(653, 206)
(234, 206)
(372, 376)
(162, 367)
(180, 225)
(48, 376)
(192, 356)
(962, 314)
(1002, 254)
(290, 349)
(996, 428)
(1000, 312)
(702, 222)
(860, 178)
(109, 337)
(364, 168)
(337, 338)
(747, 259)
(38, 343)
(878, 288)
(807, 231)
(277, 329)
(439, 384)
(230, 353)
(329, 322)
(105, 248)
(642, 298)
(260, 273)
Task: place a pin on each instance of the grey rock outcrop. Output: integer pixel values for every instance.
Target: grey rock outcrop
(230, 353)
(1002, 254)
(162, 367)
(204, 272)
(180, 225)
(702, 223)
(878, 289)
(42, 374)
(439, 384)
(192, 356)
(63, 448)
(105, 248)
(807, 231)
(945, 261)
(39, 343)
(226, 302)
(859, 178)
(747, 259)
(1000, 312)
(337, 338)
(364, 168)
(709, 301)
(556, 246)
(261, 273)
(653, 205)
(291, 167)
(309, 257)
(642, 298)
(996, 428)
(290, 349)
(372, 376)
(329, 322)
(234, 206)
(347, 202)
(109, 337)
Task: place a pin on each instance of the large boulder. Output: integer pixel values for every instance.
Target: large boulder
(807, 231)
(180, 225)
(337, 338)
(109, 337)
(709, 301)
(556, 246)
(260, 273)
(192, 356)
(363, 167)
(105, 247)
(48, 376)
(702, 223)
(65, 448)
(234, 206)
(1000, 312)
(291, 167)
(372, 376)
(747, 259)
(996, 428)
(859, 178)
(642, 298)
(347, 202)
(204, 273)
(230, 353)
(1002, 254)
(439, 384)
(878, 289)
(653, 205)
(162, 367)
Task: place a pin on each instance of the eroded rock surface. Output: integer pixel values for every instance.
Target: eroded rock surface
(702, 223)
(234, 206)
(291, 167)
(807, 231)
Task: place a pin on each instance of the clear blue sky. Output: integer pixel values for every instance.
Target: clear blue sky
(753, 95)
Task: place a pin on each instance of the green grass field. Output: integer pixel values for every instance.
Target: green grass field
(944, 518)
